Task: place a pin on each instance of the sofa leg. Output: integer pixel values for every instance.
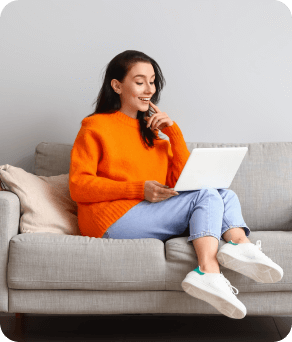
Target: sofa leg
(19, 324)
(19, 315)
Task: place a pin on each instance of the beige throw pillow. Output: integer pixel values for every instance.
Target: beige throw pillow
(45, 202)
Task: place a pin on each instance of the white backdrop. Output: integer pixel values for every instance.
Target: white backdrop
(227, 66)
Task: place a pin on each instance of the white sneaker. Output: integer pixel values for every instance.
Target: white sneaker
(216, 290)
(248, 259)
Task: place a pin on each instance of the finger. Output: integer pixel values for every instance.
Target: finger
(154, 120)
(161, 124)
(157, 123)
(157, 110)
(153, 106)
(161, 198)
(168, 192)
(154, 123)
(150, 121)
(161, 185)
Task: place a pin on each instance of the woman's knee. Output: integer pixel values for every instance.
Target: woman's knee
(212, 193)
(226, 192)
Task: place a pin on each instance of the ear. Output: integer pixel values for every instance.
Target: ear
(114, 84)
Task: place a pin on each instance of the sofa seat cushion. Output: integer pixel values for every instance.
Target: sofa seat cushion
(181, 258)
(52, 261)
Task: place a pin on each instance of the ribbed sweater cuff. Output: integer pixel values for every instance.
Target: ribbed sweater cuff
(135, 189)
(178, 144)
(174, 131)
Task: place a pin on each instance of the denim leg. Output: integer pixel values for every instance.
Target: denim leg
(232, 216)
(197, 213)
(207, 213)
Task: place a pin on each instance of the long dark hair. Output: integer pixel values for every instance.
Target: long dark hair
(108, 101)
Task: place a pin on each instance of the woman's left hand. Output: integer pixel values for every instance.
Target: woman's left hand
(158, 120)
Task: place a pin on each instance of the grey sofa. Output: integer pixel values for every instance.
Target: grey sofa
(66, 274)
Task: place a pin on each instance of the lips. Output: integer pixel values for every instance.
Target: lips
(145, 101)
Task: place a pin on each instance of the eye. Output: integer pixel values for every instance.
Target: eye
(142, 83)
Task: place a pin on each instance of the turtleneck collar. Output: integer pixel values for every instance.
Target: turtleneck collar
(127, 119)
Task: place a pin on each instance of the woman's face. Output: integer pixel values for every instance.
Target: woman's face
(135, 87)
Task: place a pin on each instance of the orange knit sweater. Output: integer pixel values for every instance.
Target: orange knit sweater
(110, 164)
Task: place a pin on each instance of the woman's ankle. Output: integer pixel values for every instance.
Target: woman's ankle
(210, 268)
(241, 240)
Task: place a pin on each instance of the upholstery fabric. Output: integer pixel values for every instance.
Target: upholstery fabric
(68, 302)
(9, 227)
(88, 263)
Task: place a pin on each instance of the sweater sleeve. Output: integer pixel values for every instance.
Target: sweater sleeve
(85, 185)
(178, 153)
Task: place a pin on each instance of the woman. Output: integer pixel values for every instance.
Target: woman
(122, 172)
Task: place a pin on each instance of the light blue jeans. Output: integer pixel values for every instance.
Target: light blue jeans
(196, 213)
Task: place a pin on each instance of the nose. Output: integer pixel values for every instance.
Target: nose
(149, 87)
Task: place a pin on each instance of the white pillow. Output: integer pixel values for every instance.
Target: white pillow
(45, 202)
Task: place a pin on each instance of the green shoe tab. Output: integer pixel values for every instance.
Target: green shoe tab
(233, 243)
(198, 270)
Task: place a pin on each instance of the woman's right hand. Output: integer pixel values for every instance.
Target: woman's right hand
(156, 192)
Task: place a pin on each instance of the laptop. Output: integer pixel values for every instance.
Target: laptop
(210, 168)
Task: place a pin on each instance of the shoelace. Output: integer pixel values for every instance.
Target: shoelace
(259, 244)
(231, 287)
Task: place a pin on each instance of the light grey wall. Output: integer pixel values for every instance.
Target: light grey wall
(227, 65)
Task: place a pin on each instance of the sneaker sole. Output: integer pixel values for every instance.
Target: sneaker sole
(201, 291)
(257, 271)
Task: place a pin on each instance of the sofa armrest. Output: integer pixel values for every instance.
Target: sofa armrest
(9, 227)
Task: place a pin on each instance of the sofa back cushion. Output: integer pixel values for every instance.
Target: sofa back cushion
(263, 182)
